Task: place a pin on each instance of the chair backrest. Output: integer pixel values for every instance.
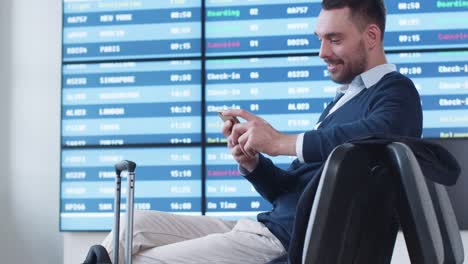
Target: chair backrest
(352, 218)
(416, 212)
(426, 214)
(453, 246)
(364, 194)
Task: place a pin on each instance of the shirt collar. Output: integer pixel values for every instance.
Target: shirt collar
(368, 78)
(372, 76)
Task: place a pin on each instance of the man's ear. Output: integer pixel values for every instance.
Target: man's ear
(373, 36)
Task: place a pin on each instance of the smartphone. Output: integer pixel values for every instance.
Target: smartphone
(233, 119)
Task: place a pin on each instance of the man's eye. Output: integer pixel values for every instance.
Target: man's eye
(335, 41)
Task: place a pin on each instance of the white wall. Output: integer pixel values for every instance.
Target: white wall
(30, 34)
(76, 245)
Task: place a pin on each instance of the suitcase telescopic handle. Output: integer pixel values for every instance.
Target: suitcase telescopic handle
(125, 165)
(119, 167)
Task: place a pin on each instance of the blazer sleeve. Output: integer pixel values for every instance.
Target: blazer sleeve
(393, 109)
(265, 179)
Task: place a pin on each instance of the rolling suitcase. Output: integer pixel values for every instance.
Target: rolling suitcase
(97, 253)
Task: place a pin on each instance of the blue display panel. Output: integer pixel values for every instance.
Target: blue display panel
(245, 28)
(134, 108)
(167, 179)
(443, 86)
(228, 194)
(426, 24)
(263, 27)
(131, 103)
(128, 29)
(288, 92)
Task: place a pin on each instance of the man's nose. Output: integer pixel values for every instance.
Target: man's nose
(325, 51)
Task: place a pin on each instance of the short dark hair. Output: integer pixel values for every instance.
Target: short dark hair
(363, 12)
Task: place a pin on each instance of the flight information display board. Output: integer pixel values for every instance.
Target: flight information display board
(129, 29)
(144, 79)
(426, 24)
(167, 179)
(128, 103)
(288, 92)
(291, 92)
(441, 79)
(228, 194)
(244, 28)
(262, 27)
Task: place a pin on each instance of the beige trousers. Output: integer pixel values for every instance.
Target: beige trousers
(160, 237)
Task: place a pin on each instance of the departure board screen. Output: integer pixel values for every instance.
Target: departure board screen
(288, 92)
(144, 79)
(426, 24)
(291, 92)
(167, 179)
(261, 27)
(128, 103)
(442, 83)
(127, 29)
(265, 27)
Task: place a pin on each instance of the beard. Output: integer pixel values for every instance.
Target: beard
(356, 65)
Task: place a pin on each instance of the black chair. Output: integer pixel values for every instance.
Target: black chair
(365, 194)
(425, 200)
(352, 204)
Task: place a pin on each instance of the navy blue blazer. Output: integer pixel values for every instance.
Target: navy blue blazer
(391, 106)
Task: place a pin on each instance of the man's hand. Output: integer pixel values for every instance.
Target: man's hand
(256, 135)
(246, 161)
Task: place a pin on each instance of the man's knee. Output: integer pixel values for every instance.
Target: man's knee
(141, 219)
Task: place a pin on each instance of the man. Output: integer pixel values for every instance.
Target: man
(376, 99)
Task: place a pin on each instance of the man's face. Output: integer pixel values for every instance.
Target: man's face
(342, 45)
